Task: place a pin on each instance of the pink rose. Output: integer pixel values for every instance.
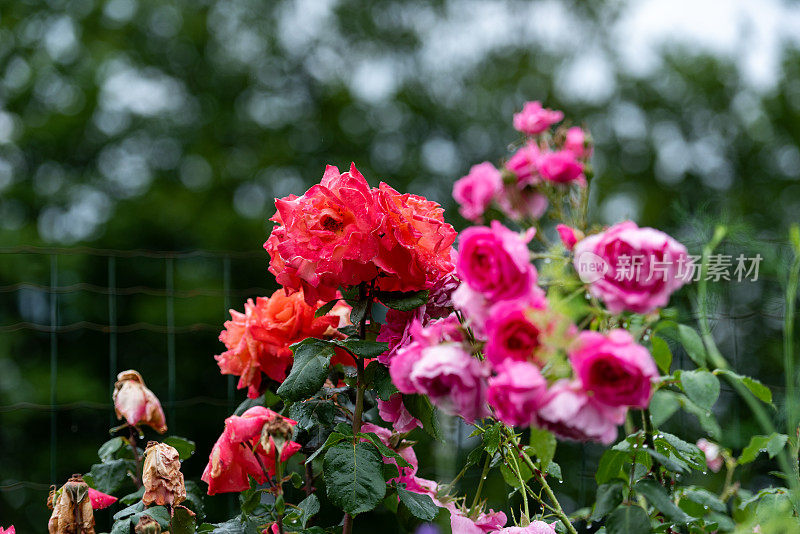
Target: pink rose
(475, 191)
(569, 236)
(520, 204)
(713, 457)
(134, 402)
(571, 414)
(420, 338)
(516, 393)
(524, 164)
(511, 333)
(534, 119)
(452, 379)
(328, 237)
(577, 142)
(536, 527)
(495, 262)
(394, 411)
(615, 369)
(641, 267)
(561, 167)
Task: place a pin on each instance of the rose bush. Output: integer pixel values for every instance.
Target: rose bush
(507, 333)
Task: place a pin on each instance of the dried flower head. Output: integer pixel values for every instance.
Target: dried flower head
(72, 508)
(147, 525)
(276, 431)
(161, 475)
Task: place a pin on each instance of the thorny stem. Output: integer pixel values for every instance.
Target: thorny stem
(136, 456)
(365, 292)
(277, 489)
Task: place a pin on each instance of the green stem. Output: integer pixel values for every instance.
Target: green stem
(788, 352)
(522, 484)
(484, 474)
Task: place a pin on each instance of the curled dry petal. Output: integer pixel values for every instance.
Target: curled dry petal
(136, 404)
(161, 475)
(72, 508)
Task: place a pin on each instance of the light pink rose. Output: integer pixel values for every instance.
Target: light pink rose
(577, 142)
(524, 164)
(453, 380)
(521, 203)
(644, 267)
(713, 457)
(536, 527)
(421, 337)
(571, 414)
(516, 393)
(394, 411)
(561, 167)
(534, 119)
(475, 191)
(569, 236)
(615, 369)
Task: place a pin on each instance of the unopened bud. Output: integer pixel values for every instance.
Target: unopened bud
(161, 475)
(137, 404)
(72, 508)
(147, 525)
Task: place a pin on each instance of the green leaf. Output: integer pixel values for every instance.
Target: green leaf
(543, 444)
(693, 344)
(354, 476)
(491, 438)
(194, 499)
(628, 519)
(666, 442)
(403, 301)
(313, 412)
(420, 505)
(676, 465)
(185, 447)
(420, 407)
(129, 511)
(312, 358)
(706, 418)
(110, 476)
(383, 449)
(705, 499)
(232, 526)
(325, 308)
(610, 465)
(363, 348)
(378, 375)
(183, 521)
(134, 497)
(657, 496)
(772, 445)
(609, 496)
(122, 527)
(108, 450)
(249, 403)
(761, 392)
(661, 353)
(359, 310)
(332, 440)
(662, 406)
(553, 469)
(309, 508)
(701, 387)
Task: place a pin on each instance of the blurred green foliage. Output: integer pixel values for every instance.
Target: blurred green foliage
(171, 125)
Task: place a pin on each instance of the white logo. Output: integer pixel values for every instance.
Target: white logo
(590, 267)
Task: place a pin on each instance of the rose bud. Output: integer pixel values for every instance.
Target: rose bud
(147, 525)
(100, 500)
(137, 404)
(161, 475)
(72, 508)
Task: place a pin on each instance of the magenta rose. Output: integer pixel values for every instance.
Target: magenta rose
(524, 164)
(511, 334)
(394, 411)
(534, 119)
(475, 191)
(516, 393)
(571, 414)
(641, 267)
(615, 369)
(577, 142)
(452, 379)
(561, 167)
(569, 236)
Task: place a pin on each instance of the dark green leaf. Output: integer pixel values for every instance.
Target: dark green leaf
(628, 519)
(609, 496)
(354, 476)
(325, 308)
(420, 505)
(420, 407)
(309, 508)
(543, 444)
(676, 465)
(332, 440)
(383, 449)
(134, 497)
(706, 418)
(313, 412)
(661, 353)
(378, 375)
(359, 310)
(110, 476)
(553, 469)
(693, 344)
(185, 447)
(363, 348)
(610, 465)
(491, 438)
(183, 521)
(194, 499)
(398, 300)
(657, 496)
(701, 387)
(312, 357)
(762, 392)
(771, 444)
(662, 406)
(704, 498)
(109, 449)
(122, 526)
(129, 511)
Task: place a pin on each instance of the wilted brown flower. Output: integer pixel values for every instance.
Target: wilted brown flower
(137, 404)
(72, 508)
(277, 428)
(147, 525)
(161, 475)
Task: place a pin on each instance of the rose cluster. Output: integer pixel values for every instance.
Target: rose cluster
(545, 159)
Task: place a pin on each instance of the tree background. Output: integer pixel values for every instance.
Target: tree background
(154, 125)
